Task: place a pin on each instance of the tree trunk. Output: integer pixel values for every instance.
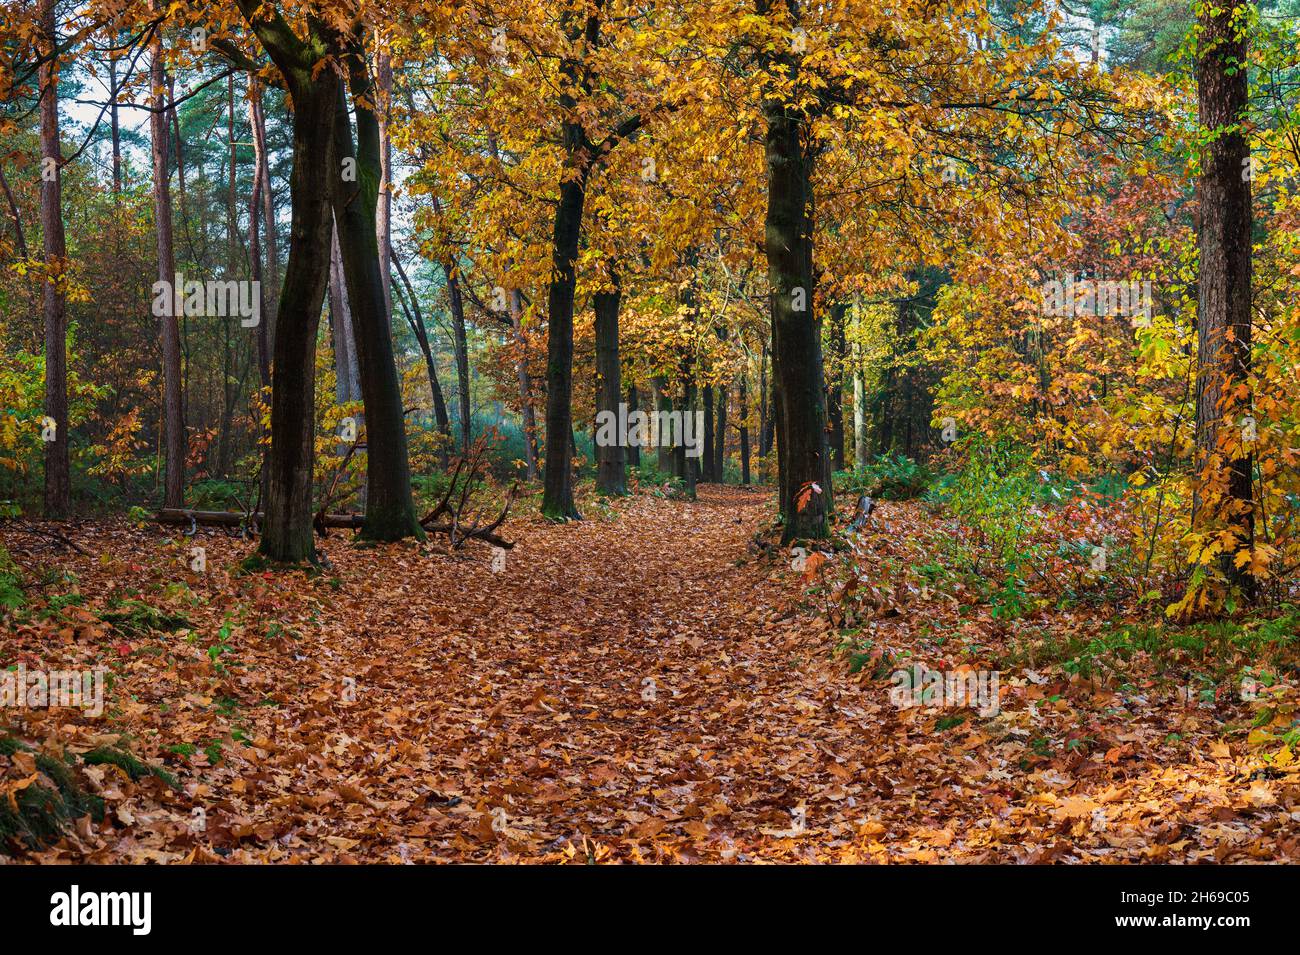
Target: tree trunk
(835, 391)
(460, 342)
(57, 477)
(115, 127)
(384, 206)
(527, 412)
(347, 377)
(661, 404)
(744, 431)
(707, 467)
(287, 534)
(803, 461)
(390, 509)
(271, 275)
(720, 438)
(633, 404)
(1224, 463)
(557, 493)
(611, 457)
(415, 318)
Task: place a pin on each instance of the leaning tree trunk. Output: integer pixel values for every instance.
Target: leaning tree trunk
(800, 413)
(58, 491)
(390, 509)
(1224, 460)
(611, 458)
(415, 318)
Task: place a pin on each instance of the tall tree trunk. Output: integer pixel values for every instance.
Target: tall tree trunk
(115, 126)
(661, 404)
(271, 275)
(229, 395)
(415, 318)
(720, 438)
(766, 425)
(384, 206)
(57, 477)
(706, 471)
(803, 458)
(460, 343)
(835, 391)
(287, 532)
(557, 493)
(611, 457)
(744, 430)
(527, 411)
(633, 404)
(1224, 460)
(347, 377)
(390, 508)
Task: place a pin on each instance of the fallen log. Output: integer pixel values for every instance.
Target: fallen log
(194, 519)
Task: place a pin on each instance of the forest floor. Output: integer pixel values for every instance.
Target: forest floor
(646, 685)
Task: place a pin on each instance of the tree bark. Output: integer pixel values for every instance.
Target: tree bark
(633, 404)
(557, 484)
(460, 342)
(803, 459)
(527, 411)
(271, 274)
(390, 508)
(57, 475)
(720, 438)
(835, 391)
(744, 431)
(347, 377)
(415, 318)
(384, 207)
(611, 458)
(1224, 496)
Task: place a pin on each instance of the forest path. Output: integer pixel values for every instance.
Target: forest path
(643, 685)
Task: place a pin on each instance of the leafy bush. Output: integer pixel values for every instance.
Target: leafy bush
(993, 496)
(890, 477)
(11, 583)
